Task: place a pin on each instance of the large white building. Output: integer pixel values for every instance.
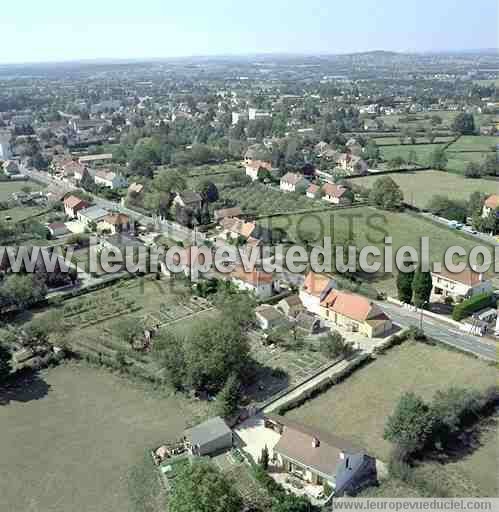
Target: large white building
(460, 285)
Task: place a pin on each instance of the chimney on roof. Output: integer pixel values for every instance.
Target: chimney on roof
(315, 442)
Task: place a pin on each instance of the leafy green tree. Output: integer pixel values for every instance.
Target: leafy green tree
(229, 397)
(410, 425)
(212, 353)
(422, 286)
(22, 290)
(438, 159)
(200, 487)
(334, 345)
(464, 124)
(386, 194)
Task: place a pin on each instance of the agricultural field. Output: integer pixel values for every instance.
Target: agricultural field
(420, 186)
(72, 434)
(422, 151)
(259, 199)
(370, 227)
(357, 409)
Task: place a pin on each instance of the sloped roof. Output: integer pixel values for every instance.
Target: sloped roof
(492, 201)
(468, 276)
(254, 277)
(316, 284)
(208, 431)
(311, 447)
(353, 306)
(292, 178)
(333, 190)
(73, 201)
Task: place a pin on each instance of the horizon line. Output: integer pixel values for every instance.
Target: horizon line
(110, 60)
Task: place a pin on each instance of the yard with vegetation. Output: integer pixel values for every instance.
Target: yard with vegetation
(259, 199)
(72, 436)
(357, 409)
(420, 186)
(7, 188)
(18, 213)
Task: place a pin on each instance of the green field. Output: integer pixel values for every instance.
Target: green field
(370, 227)
(420, 186)
(480, 143)
(422, 151)
(357, 409)
(18, 213)
(70, 438)
(9, 187)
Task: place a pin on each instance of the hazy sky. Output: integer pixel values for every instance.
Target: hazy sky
(48, 30)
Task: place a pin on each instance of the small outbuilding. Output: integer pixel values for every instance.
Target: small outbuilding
(208, 438)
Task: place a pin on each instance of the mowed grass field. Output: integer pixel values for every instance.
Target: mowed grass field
(480, 143)
(69, 445)
(420, 186)
(369, 227)
(422, 151)
(357, 409)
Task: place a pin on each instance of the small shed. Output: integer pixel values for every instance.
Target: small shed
(212, 436)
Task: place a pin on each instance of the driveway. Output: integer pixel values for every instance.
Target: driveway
(255, 437)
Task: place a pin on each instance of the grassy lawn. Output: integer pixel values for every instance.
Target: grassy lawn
(357, 408)
(420, 187)
(370, 227)
(422, 151)
(69, 440)
(480, 143)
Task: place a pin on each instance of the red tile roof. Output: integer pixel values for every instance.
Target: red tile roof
(353, 306)
(492, 201)
(255, 277)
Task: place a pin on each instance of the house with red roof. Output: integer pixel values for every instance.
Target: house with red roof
(335, 194)
(354, 313)
(73, 204)
(491, 204)
(258, 282)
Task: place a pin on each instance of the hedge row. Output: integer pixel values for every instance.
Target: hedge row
(471, 305)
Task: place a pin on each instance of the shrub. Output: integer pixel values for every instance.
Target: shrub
(469, 306)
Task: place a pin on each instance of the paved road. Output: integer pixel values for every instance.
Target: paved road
(179, 233)
(442, 331)
(466, 230)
